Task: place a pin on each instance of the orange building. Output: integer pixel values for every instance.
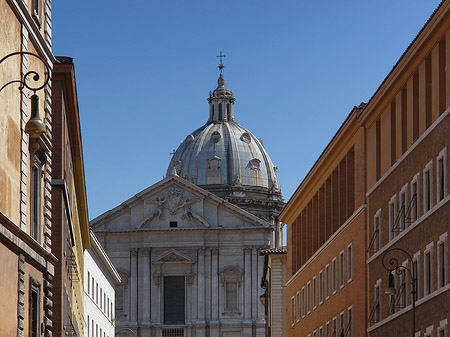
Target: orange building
(26, 261)
(326, 240)
(379, 190)
(70, 224)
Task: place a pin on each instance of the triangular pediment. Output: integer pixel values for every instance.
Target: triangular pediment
(173, 256)
(174, 203)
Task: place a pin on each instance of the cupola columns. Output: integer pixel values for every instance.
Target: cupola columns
(221, 103)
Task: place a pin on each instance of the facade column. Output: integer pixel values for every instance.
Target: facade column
(201, 285)
(214, 285)
(247, 284)
(261, 313)
(208, 283)
(189, 296)
(146, 285)
(140, 284)
(155, 293)
(254, 283)
(133, 285)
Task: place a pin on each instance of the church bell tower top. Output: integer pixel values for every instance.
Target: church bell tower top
(221, 100)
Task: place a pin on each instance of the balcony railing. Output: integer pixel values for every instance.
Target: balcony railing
(173, 332)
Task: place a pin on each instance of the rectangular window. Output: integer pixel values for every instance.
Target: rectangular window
(442, 260)
(93, 290)
(350, 322)
(88, 325)
(34, 309)
(402, 208)
(93, 335)
(308, 287)
(378, 301)
(335, 328)
(298, 308)
(321, 287)
(88, 282)
(303, 302)
(96, 330)
(350, 262)
(416, 272)
(403, 287)
(334, 272)
(342, 323)
(327, 280)
(101, 296)
(35, 229)
(327, 329)
(315, 333)
(377, 231)
(96, 293)
(342, 268)
(428, 270)
(104, 302)
(428, 187)
(292, 310)
(231, 295)
(314, 292)
(414, 199)
(392, 298)
(174, 297)
(321, 331)
(392, 216)
(441, 172)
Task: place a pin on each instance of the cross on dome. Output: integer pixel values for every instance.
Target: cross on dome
(221, 66)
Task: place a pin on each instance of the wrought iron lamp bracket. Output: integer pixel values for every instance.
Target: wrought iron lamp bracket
(25, 78)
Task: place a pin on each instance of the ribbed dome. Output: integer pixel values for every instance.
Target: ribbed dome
(224, 154)
(226, 159)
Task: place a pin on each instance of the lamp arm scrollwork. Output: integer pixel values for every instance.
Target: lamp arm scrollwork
(392, 263)
(35, 76)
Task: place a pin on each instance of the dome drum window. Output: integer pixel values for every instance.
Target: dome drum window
(254, 164)
(215, 137)
(246, 138)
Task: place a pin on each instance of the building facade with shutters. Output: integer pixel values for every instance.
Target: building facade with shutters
(187, 248)
(27, 262)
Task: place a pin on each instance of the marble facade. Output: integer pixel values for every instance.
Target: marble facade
(176, 228)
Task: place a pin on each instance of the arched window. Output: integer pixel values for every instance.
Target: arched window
(212, 111)
(220, 111)
(228, 111)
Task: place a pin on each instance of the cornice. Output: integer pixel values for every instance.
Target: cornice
(335, 149)
(25, 18)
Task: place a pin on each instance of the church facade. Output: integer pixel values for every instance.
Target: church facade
(187, 248)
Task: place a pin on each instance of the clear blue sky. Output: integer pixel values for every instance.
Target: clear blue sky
(144, 69)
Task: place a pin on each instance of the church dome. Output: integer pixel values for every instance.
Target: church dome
(225, 158)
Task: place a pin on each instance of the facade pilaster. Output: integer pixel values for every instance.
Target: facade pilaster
(208, 283)
(247, 283)
(146, 285)
(133, 284)
(254, 283)
(201, 285)
(155, 294)
(260, 307)
(214, 285)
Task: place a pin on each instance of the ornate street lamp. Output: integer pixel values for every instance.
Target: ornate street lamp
(34, 127)
(392, 264)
